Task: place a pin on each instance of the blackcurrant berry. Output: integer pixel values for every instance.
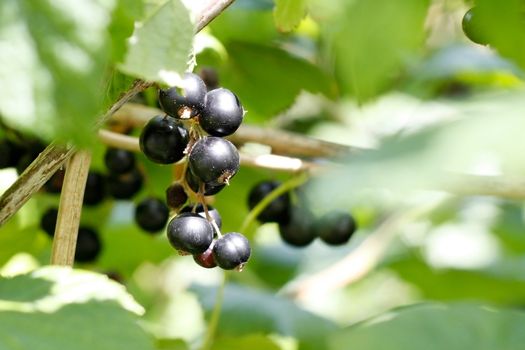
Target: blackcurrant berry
(151, 215)
(10, 154)
(176, 196)
(175, 101)
(95, 190)
(277, 210)
(163, 140)
(214, 160)
(194, 182)
(206, 259)
(212, 212)
(54, 184)
(231, 251)
(125, 186)
(299, 231)
(335, 227)
(48, 221)
(473, 27)
(119, 161)
(222, 114)
(88, 245)
(190, 233)
(210, 77)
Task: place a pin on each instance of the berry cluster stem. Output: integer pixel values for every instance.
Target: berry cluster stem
(70, 208)
(292, 183)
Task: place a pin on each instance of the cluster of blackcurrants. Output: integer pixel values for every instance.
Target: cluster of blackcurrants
(123, 181)
(297, 224)
(192, 130)
(19, 152)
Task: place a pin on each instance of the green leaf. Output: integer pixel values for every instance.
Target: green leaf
(436, 327)
(60, 308)
(122, 22)
(171, 344)
(280, 78)
(252, 342)
(288, 13)
(54, 57)
(246, 311)
(454, 284)
(161, 44)
(373, 40)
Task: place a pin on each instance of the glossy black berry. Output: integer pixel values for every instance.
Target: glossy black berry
(186, 99)
(119, 161)
(335, 227)
(176, 196)
(151, 214)
(88, 245)
(222, 114)
(277, 210)
(194, 183)
(163, 140)
(48, 221)
(473, 27)
(231, 251)
(54, 184)
(300, 230)
(190, 233)
(199, 209)
(206, 259)
(214, 160)
(125, 186)
(95, 190)
(10, 154)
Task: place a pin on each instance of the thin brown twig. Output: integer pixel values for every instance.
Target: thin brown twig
(281, 142)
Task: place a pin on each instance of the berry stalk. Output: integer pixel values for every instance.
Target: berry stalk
(68, 220)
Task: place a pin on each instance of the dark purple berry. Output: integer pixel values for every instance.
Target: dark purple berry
(176, 196)
(125, 186)
(190, 233)
(299, 231)
(194, 183)
(10, 154)
(48, 221)
(335, 227)
(88, 245)
(187, 99)
(212, 212)
(277, 210)
(206, 259)
(95, 190)
(231, 251)
(151, 215)
(119, 161)
(163, 140)
(214, 160)
(222, 114)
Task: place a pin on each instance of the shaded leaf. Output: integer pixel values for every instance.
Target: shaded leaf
(436, 326)
(260, 74)
(54, 57)
(160, 47)
(288, 13)
(252, 342)
(60, 308)
(246, 311)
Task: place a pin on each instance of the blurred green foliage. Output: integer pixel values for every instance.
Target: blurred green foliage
(398, 78)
